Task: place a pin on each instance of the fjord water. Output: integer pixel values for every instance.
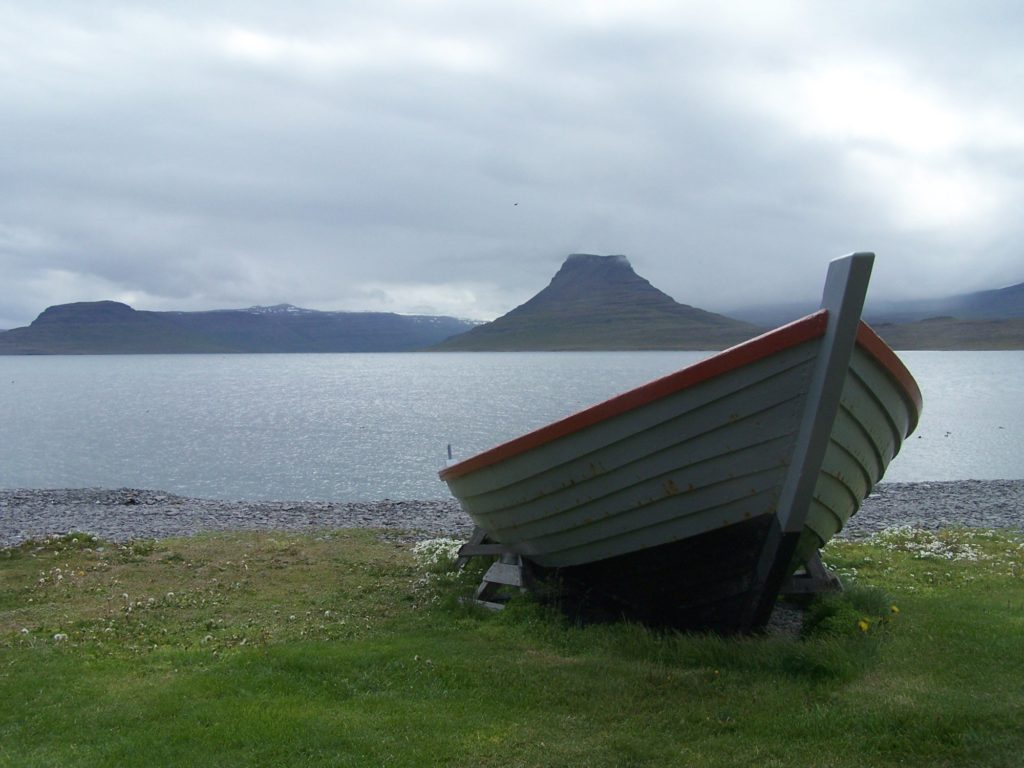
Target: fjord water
(360, 427)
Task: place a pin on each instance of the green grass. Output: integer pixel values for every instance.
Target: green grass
(341, 649)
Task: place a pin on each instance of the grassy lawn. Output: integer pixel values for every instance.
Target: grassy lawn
(343, 648)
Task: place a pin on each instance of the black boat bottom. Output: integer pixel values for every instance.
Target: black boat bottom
(698, 584)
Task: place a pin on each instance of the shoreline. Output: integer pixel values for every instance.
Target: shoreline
(130, 513)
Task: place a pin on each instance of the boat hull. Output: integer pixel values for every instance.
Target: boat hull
(704, 458)
(664, 497)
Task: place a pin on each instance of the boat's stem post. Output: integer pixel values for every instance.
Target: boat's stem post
(843, 297)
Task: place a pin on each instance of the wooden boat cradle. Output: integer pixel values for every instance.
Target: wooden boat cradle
(510, 573)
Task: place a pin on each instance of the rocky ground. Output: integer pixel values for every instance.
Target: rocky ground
(128, 513)
(966, 503)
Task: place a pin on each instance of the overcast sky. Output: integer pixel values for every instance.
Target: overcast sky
(444, 158)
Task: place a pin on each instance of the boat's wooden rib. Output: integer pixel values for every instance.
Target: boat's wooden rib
(618, 496)
(850, 438)
(885, 360)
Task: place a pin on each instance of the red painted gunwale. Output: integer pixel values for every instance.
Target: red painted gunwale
(799, 331)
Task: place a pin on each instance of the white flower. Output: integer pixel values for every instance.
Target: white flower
(60, 637)
(433, 552)
(950, 545)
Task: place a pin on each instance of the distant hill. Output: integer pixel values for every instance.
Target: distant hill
(998, 304)
(982, 320)
(599, 302)
(109, 327)
(947, 333)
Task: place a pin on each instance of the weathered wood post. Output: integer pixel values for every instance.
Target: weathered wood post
(845, 288)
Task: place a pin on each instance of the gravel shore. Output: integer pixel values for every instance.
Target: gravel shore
(128, 513)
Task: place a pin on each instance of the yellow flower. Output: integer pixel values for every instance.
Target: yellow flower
(894, 609)
(864, 625)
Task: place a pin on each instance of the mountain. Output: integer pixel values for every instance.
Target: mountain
(110, 327)
(599, 302)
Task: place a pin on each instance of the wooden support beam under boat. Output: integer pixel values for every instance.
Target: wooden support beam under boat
(813, 580)
(843, 298)
(509, 570)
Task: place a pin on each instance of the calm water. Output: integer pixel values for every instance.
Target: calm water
(362, 427)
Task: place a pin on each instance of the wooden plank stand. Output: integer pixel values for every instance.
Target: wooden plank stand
(509, 570)
(813, 579)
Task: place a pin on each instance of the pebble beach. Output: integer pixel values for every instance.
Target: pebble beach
(131, 513)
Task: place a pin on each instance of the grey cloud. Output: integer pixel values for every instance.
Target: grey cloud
(336, 150)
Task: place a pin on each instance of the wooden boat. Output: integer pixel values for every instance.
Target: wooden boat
(687, 501)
